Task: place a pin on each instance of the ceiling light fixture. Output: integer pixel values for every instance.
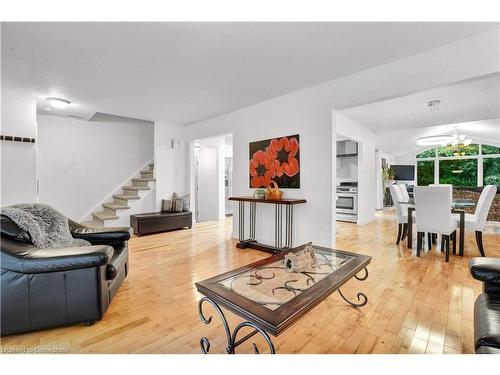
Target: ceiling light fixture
(435, 140)
(58, 102)
(455, 140)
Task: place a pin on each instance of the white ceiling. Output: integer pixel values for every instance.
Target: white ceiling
(401, 142)
(477, 99)
(186, 72)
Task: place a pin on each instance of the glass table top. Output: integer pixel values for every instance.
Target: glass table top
(456, 203)
(271, 286)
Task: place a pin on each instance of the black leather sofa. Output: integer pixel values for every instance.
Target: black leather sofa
(487, 305)
(44, 288)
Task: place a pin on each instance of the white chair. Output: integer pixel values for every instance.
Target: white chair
(449, 186)
(477, 221)
(433, 212)
(404, 191)
(401, 213)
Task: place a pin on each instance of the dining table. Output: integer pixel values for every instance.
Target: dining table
(458, 206)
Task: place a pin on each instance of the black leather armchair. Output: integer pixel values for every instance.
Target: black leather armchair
(487, 305)
(44, 288)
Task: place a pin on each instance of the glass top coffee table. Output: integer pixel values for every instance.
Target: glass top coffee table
(271, 299)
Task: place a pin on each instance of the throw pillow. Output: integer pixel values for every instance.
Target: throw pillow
(178, 205)
(185, 202)
(166, 205)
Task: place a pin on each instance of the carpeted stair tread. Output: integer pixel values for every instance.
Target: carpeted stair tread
(143, 179)
(133, 187)
(91, 224)
(114, 206)
(103, 216)
(126, 197)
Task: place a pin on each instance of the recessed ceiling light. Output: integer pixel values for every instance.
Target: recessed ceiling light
(58, 102)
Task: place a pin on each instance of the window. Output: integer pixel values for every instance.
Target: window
(490, 150)
(458, 172)
(491, 171)
(425, 172)
(427, 154)
(461, 150)
(465, 166)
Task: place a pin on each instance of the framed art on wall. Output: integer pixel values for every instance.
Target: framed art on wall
(276, 159)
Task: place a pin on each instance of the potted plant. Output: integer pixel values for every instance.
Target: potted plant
(387, 173)
(259, 193)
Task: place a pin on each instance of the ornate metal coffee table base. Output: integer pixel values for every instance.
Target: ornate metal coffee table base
(361, 296)
(231, 341)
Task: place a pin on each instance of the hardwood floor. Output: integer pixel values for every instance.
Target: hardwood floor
(415, 305)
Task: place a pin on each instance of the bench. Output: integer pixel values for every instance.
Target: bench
(156, 222)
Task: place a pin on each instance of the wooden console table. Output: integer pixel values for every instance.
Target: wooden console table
(278, 223)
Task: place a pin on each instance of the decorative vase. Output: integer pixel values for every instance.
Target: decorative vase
(259, 193)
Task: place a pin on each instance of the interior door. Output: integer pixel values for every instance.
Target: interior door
(228, 186)
(207, 184)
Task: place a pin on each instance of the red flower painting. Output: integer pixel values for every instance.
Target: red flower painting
(261, 169)
(275, 160)
(284, 152)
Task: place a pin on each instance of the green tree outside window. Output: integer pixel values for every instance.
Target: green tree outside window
(491, 171)
(425, 172)
(460, 150)
(490, 150)
(458, 172)
(431, 153)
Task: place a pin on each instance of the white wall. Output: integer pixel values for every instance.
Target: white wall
(406, 159)
(307, 113)
(367, 185)
(171, 165)
(82, 162)
(18, 173)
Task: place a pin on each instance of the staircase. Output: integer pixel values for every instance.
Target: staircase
(120, 203)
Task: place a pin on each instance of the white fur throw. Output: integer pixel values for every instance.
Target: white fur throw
(46, 226)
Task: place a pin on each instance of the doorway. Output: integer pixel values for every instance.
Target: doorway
(213, 177)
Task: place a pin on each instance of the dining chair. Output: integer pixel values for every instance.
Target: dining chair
(433, 213)
(404, 192)
(401, 216)
(477, 221)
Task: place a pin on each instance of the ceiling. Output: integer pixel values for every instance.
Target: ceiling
(187, 72)
(401, 142)
(477, 99)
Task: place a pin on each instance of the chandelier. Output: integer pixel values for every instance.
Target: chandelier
(456, 141)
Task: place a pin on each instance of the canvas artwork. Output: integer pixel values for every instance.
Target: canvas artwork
(276, 159)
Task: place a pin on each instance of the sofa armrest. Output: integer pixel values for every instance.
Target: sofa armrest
(100, 236)
(59, 259)
(486, 270)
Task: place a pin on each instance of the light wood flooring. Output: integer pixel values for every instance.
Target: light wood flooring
(416, 305)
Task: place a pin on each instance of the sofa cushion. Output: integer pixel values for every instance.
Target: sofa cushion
(487, 321)
(487, 350)
(11, 230)
(485, 269)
